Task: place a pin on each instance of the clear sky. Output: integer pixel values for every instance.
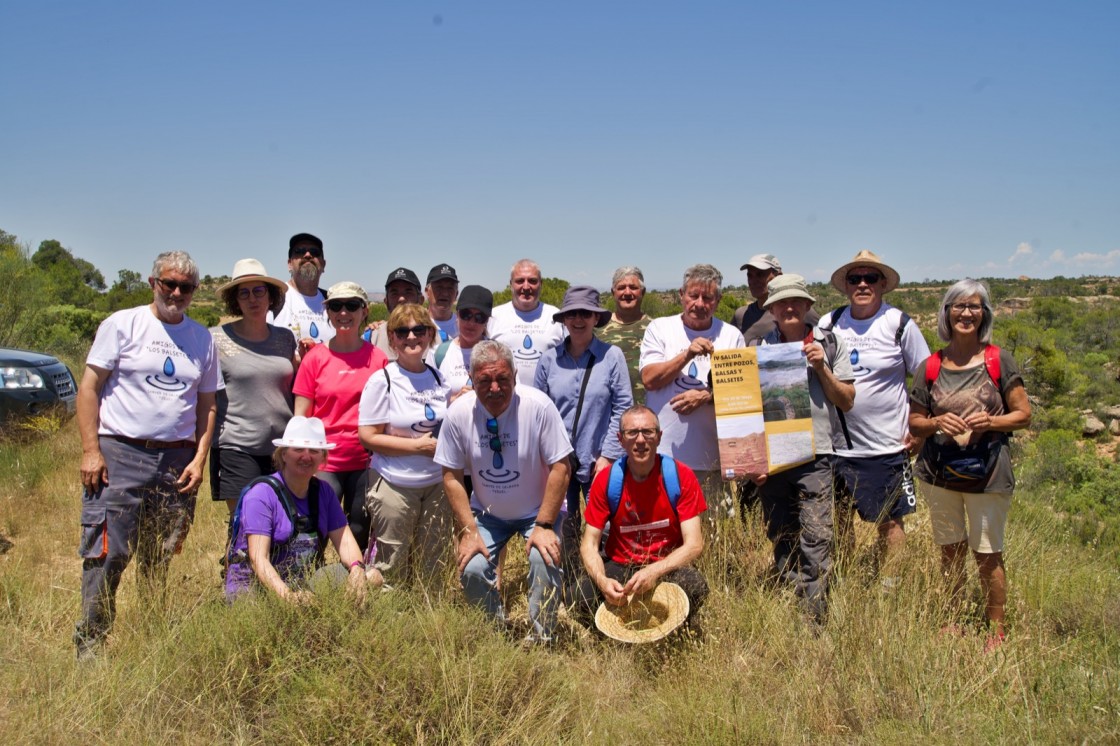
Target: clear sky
(952, 138)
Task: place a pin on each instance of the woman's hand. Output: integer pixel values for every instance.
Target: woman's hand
(425, 445)
(978, 422)
(952, 424)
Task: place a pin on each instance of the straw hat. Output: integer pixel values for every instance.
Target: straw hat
(304, 432)
(647, 618)
(865, 258)
(247, 270)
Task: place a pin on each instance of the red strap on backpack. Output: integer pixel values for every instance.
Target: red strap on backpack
(991, 364)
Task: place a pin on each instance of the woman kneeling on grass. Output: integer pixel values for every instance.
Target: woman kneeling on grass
(965, 400)
(283, 521)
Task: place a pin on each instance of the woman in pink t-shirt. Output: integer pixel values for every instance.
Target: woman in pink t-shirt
(329, 385)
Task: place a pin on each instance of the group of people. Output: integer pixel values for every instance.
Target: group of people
(434, 437)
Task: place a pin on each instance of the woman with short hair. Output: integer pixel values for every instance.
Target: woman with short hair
(965, 400)
(399, 417)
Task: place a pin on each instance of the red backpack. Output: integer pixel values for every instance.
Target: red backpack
(991, 364)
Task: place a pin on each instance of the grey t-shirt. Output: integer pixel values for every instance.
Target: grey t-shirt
(964, 392)
(256, 403)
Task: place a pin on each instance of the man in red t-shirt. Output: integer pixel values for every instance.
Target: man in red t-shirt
(649, 540)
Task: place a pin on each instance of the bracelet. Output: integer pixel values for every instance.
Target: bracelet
(358, 563)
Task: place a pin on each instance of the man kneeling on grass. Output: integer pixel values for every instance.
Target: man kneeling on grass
(653, 505)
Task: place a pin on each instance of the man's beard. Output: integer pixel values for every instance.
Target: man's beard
(308, 271)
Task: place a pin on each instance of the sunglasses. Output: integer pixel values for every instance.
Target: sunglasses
(418, 331)
(170, 286)
(495, 442)
(869, 277)
(579, 313)
(259, 291)
(314, 251)
(351, 305)
(475, 316)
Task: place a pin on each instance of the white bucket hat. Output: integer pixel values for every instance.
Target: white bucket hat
(304, 432)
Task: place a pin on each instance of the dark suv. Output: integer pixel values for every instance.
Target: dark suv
(33, 383)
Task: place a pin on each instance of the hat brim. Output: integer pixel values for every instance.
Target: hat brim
(787, 293)
(282, 443)
(253, 278)
(647, 618)
(603, 320)
(840, 276)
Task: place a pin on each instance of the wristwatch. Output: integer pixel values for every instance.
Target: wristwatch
(544, 524)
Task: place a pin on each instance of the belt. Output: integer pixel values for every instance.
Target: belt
(153, 445)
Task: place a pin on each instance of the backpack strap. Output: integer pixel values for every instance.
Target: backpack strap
(282, 495)
(992, 365)
(832, 317)
(436, 373)
(933, 367)
(441, 352)
(830, 345)
(903, 320)
(670, 479)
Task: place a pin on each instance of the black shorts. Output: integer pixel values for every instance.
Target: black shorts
(879, 487)
(231, 470)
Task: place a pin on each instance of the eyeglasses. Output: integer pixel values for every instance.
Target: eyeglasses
(579, 313)
(962, 307)
(475, 316)
(495, 442)
(649, 433)
(869, 277)
(351, 305)
(257, 291)
(170, 286)
(314, 251)
(419, 330)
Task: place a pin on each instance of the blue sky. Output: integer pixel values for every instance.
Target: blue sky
(952, 138)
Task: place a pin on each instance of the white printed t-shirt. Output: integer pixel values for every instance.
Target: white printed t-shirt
(690, 438)
(448, 329)
(508, 484)
(456, 366)
(157, 371)
(527, 335)
(878, 420)
(305, 315)
(410, 405)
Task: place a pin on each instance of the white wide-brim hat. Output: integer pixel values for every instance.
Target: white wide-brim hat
(647, 618)
(248, 270)
(304, 432)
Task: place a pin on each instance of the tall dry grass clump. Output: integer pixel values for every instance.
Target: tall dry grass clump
(406, 668)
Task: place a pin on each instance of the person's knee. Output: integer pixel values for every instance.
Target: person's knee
(989, 563)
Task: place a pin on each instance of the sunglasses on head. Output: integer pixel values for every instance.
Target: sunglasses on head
(475, 316)
(351, 305)
(869, 277)
(258, 291)
(314, 251)
(170, 286)
(419, 330)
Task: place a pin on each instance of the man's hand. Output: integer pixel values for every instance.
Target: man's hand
(758, 479)
(469, 545)
(912, 444)
(93, 471)
(547, 543)
(600, 464)
(642, 581)
(687, 402)
(191, 477)
(814, 353)
(700, 346)
(613, 593)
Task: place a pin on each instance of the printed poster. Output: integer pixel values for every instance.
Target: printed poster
(763, 416)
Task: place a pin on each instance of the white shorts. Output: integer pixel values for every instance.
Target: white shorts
(981, 517)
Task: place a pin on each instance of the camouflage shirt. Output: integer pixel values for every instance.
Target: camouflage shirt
(628, 338)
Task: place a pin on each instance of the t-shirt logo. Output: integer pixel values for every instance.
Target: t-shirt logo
(526, 352)
(167, 381)
(691, 380)
(428, 424)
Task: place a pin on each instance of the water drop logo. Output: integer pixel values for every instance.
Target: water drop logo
(166, 380)
(443, 336)
(429, 423)
(313, 331)
(526, 351)
(498, 474)
(858, 369)
(691, 379)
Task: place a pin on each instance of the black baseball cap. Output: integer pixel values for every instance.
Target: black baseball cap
(442, 272)
(304, 238)
(478, 297)
(403, 273)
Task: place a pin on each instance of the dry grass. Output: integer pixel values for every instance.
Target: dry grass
(405, 669)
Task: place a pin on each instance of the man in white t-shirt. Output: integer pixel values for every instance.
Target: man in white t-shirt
(441, 291)
(873, 476)
(675, 362)
(511, 441)
(525, 324)
(305, 311)
(140, 472)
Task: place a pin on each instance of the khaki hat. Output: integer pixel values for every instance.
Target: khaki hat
(347, 289)
(247, 270)
(786, 286)
(865, 258)
(764, 261)
(647, 618)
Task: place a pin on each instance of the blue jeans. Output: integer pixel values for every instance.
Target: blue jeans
(480, 576)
